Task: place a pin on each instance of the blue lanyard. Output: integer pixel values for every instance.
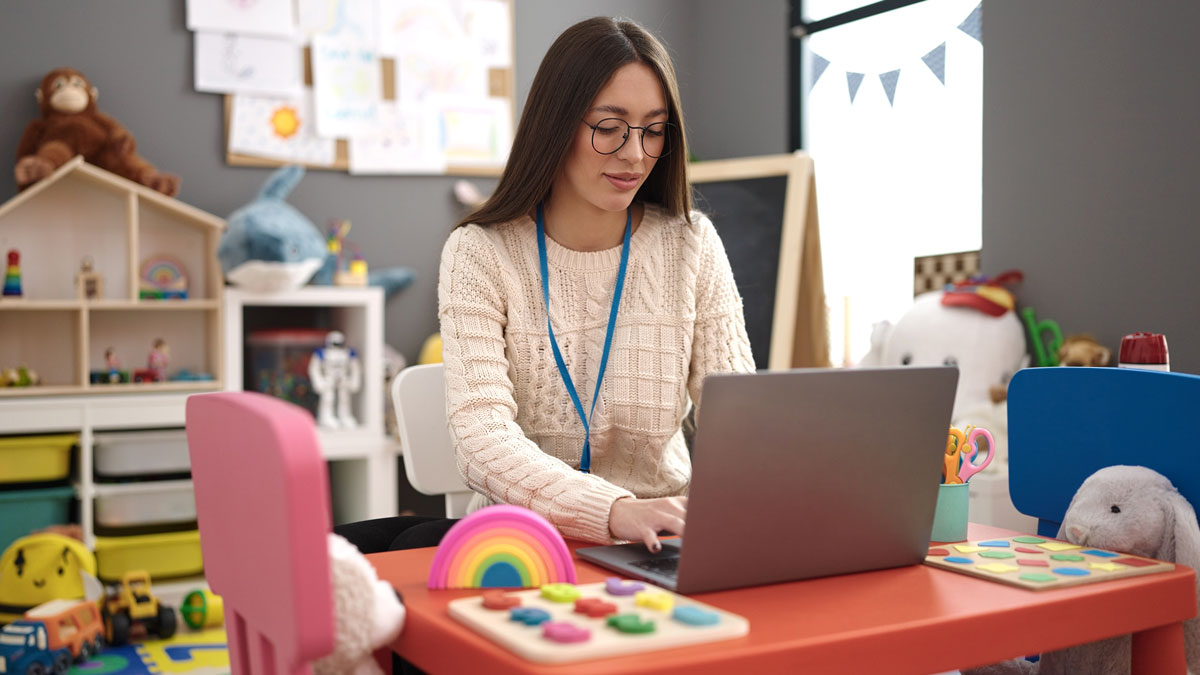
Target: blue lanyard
(585, 460)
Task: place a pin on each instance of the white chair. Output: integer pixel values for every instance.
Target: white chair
(419, 394)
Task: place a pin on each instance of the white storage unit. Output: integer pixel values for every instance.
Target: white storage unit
(362, 470)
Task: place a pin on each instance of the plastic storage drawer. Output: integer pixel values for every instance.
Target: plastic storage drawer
(28, 510)
(146, 504)
(26, 459)
(171, 554)
(140, 453)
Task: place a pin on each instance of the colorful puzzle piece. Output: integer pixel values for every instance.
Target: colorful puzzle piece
(560, 592)
(530, 616)
(694, 616)
(499, 600)
(1071, 571)
(1028, 540)
(967, 548)
(1030, 562)
(595, 607)
(618, 586)
(631, 623)
(996, 554)
(1106, 566)
(565, 633)
(959, 559)
(663, 602)
(996, 544)
(1101, 554)
(1026, 549)
(938, 551)
(999, 568)
(1058, 546)
(1066, 557)
(1039, 577)
(1134, 562)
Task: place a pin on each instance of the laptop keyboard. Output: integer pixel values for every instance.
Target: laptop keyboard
(665, 566)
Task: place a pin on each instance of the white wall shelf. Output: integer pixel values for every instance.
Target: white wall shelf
(363, 480)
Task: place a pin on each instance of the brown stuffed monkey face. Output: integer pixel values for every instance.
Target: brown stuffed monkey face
(65, 91)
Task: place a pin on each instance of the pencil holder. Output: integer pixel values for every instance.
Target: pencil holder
(950, 517)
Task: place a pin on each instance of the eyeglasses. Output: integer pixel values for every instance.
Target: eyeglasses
(609, 135)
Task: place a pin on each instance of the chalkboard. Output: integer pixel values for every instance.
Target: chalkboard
(764, 208)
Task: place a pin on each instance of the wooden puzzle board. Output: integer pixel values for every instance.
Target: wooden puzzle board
(1039, 563)
(603, 640)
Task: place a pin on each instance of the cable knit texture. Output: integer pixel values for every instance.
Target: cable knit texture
(516, 434)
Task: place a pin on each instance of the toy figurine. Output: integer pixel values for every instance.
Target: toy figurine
(12, 275)
(335, 373)
(89, 285)
(113, 364)
(158, 359)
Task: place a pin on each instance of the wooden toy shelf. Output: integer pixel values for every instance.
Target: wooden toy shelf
(81, 212)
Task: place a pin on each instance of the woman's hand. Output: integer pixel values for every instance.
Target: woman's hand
(642, 519)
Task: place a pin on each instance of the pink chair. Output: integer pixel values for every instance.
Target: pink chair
(262, 500)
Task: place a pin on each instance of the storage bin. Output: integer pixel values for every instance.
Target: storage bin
(170, 554)
(28, 510)
(26, 459)
(278, 364)
(140, 453)
(148, 504)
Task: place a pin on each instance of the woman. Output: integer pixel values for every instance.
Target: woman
(599, 158)
(591, 218)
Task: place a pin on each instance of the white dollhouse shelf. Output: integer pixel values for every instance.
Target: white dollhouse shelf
(81, 211)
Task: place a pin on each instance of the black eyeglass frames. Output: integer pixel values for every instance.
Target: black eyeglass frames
(609, 135)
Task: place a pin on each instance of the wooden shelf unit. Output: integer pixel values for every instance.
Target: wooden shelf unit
(81, 211)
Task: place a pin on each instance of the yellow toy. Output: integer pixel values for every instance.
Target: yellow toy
(44, 567)
(431, 351)
(132, 604)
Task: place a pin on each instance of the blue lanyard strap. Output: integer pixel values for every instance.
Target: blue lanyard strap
(585, 460)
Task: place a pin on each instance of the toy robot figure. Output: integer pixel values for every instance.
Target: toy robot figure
(335, 373)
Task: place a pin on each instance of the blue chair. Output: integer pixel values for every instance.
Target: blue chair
(1064, 424)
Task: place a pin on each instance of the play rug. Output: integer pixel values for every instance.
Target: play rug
(192, 652)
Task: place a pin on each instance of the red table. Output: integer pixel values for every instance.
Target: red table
(915, 620)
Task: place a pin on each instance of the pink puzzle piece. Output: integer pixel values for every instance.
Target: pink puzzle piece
(565, 632)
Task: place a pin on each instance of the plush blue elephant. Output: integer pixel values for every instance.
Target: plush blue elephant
(269, 246)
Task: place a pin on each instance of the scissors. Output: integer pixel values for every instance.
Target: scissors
(964, 446)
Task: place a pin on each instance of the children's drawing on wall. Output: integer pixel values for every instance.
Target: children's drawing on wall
(346, 72)
(279, 128)
(229, 62)
(406, 141)
(256, 17)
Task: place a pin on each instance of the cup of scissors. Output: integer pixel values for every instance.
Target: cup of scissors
(962, 447)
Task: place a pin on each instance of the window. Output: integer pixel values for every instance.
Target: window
(892, 114)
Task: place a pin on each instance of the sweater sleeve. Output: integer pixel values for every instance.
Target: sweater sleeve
(493, 454)
(719, 340)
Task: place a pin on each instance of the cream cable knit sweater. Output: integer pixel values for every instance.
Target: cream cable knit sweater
(516, 434)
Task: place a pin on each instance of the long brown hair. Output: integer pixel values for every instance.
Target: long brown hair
(574, 69)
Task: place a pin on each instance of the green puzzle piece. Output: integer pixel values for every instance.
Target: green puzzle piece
(996, 554)
(1067, 557)
(630, 623)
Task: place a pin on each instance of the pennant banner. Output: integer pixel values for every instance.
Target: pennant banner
(935, 60)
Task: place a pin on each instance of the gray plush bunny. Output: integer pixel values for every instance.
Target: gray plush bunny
(1130, 509)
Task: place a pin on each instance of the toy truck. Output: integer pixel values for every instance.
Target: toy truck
(25, 650)
(130, 607)
(74, 625)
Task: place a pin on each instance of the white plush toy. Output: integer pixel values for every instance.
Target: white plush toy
(368, 613)
(980, 334)
(1130, 509)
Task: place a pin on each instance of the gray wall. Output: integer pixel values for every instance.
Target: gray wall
(1091, 161)
(139, 54)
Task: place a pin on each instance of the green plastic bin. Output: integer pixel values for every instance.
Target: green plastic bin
(23, 511)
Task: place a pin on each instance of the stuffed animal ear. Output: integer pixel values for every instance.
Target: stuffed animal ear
(1103, 356)
(1186, 533)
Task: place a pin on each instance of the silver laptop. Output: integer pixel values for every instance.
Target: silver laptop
(804, 473)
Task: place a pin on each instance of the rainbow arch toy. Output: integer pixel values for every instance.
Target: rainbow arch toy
(501, 546)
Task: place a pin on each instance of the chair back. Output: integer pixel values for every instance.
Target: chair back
(1065, 423)
(419, 394)
(262, 502)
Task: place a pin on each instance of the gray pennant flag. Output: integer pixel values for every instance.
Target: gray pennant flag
(889, 81)
(853, 80)
(819, 64)
(973, 24)
(936, 60)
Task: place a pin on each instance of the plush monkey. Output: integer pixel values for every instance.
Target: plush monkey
(70, 125)
(1083, 350)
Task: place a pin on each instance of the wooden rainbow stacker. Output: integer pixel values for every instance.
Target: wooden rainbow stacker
(1039, 563)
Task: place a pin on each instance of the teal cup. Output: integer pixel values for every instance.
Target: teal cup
(950, 517)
